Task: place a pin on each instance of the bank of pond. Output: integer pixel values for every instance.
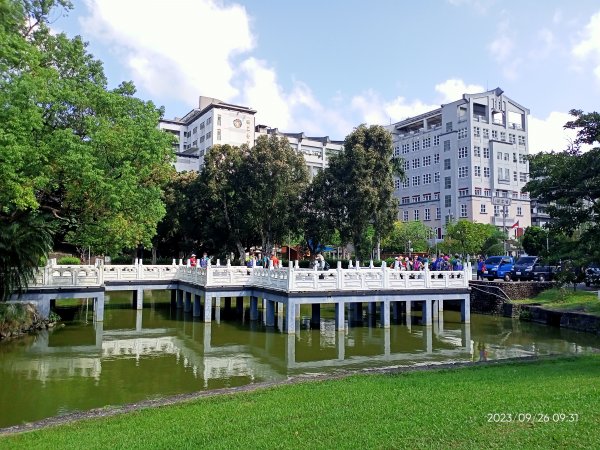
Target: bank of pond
(159, 351)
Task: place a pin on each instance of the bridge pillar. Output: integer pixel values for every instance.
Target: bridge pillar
(426, 308)
(340, 324)
(372, 308)
(315, 317)
(385, 313)
(99, 331)
(465, 336)
(428, 338)
(408, 311)
(187, 307)
(99, 307)
(270, 316)
(435, 309)
(197, 305)
(341, 342)
(253, 308)
(465, 310)
(173, 298)
(290, 317)
(207, 307)
(138, 298)
(387, 341)
(239, 306)
(179, 299)
(138, 320)
(290, 353)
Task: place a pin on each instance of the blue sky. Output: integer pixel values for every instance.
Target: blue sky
(323, 67)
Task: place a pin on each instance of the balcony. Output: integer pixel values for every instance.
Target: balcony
(498, 221)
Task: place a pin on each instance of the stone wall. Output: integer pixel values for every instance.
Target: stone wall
(490, 297)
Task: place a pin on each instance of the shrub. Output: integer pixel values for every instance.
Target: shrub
(68, 260)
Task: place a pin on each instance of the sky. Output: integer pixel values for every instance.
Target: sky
(324, 67)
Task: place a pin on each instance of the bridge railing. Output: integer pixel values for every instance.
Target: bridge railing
(288, 279)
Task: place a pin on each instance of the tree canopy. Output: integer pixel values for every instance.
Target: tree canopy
(569, 183)
(416, 233)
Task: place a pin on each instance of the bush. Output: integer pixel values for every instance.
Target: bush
(68, 260)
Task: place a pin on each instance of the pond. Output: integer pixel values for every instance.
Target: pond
(136, 355)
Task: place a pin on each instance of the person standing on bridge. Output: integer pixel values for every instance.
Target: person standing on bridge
(204, 260)
(193, 260)
(480, 265)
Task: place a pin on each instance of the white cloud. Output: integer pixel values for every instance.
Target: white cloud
(589, 47)
(180, 49)
(548, 134)
(454, 88)
(502, 49)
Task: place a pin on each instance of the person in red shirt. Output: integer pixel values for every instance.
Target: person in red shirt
(193, 260)
(275, 260)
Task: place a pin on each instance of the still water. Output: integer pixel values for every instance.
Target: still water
(159, 351)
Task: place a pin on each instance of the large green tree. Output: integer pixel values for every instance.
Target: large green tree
(361, 185)
(87, 160)
(468, 238)
(416, 233)
(569, 183)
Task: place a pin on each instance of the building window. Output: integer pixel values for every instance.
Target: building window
(219, 134)
(416, 163)
(521, 159)
(515, 175)
(463, 172)
(406, 165)
(477, 171)
(495, 134)
(478, 191)
(448, 127)
(462, 133)
(405, 148)
(209, 121)
(521, 140)
(208, 135)
(416, 180)
(397, 183)
(525, 196)
(486, 133)
(512, 138)
(427, 214)
(482, 208)
(476, 131)
(514, 157)
(486, 152)
(416, 198)
(476, 151)
(195, 130)
(219, 120)
(519, 211)
(523, 176)
(447, 146)
(463, 192)
(396, 152)
(426, 197)
(448, 183)
(416, 145)
(405, 216)
(426, 142)
(487, 192)
(416, 214)
(436, 195)
(426, 161)
(447, 164)
(406, 183)
(195, 143)
(463, 152)
(486, 172)
(497, 210)
(515, 195)
(201, 139)
(507, 156)
(436, 177)
(463, 210)
(438, 213)
(503, 136)
(436, 158)
(499, 156)
(436, 140)
(405, 200)
(448, 201)
(427, 178)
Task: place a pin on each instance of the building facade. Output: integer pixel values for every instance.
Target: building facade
(213, 122)
(465, 160)
(316, 150)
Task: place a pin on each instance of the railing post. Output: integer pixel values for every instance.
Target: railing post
(291, 275)
(385, 275)
(208, 273)
(371, 266)
(340, 276)
(218, 263)
(350, 266)
(427, 277)
(100, 270)
(296, 264)
(74, 274)
(174, 262)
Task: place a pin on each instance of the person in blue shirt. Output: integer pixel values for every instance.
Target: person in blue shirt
(480, 265)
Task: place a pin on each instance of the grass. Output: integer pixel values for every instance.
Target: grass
(433, 409)
(566, 300)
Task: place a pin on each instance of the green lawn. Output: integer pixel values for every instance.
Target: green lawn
(432, 409)
(566, 300)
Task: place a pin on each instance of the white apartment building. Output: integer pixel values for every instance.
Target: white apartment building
(463, 159)
(213, 122)
(316, 150)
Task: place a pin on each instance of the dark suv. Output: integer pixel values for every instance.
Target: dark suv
(532, 268)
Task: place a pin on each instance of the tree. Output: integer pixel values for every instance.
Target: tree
(416, 233)
(569, 182)
(317, 220)
(277, 177)
(360, 184)
(535, 240)
(87, 161)
(467, 238)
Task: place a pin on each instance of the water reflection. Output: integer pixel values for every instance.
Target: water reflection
(158, 351)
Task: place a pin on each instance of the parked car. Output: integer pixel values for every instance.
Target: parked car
(592, 275)
(498, 267)
(532, 268)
